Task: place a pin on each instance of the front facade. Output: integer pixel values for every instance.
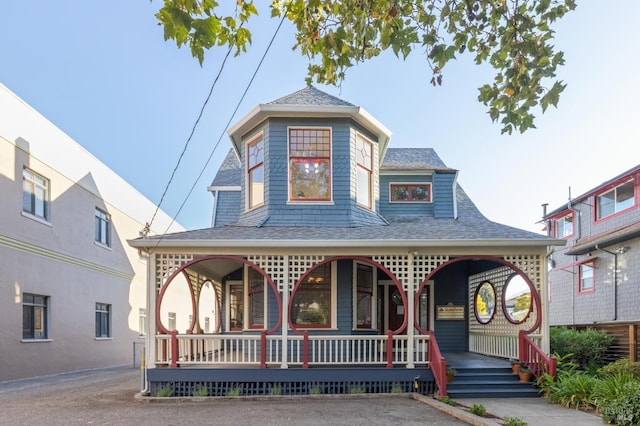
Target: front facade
(73, 292)
(329, 249)
(594, 278)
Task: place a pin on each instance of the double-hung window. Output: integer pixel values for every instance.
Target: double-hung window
(564, 226)
(586, 278)
(103, 320)
(309, 164)
(235, 306)
(34, 316)
(364, 165)
(365, 296)
(255, 172)
(35, 194)
(617, 199)
(256, 298)
(103, 228)
(311, 306)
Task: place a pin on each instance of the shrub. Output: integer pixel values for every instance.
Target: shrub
(234, 392)
(356, 390)
(514, 421)
(573, 389)
(200, 391)
(164, 391)
(276, 390)
(449, 401)
(396, 388)
(624, 410)
(478, 410)
(623, 365)
(316, 390)
(608, 388)
(588, 348)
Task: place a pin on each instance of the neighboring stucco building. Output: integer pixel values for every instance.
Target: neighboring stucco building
(595, 279)
(72, 290)
(330, 250)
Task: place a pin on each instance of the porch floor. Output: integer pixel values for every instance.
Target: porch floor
(473, 360)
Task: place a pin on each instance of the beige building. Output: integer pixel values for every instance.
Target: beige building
(73, 291)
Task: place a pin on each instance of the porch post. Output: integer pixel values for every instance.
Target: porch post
(150, 350)
(544, 304)
(410, 313)
(285, 314)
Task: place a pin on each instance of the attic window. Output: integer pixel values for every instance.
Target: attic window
(310, 164)
(410, 192)
(564, 226)
(614, 201)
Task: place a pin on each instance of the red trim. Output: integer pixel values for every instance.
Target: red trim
(610, 187)
(475, 298)
(554, 219)
(593, 277)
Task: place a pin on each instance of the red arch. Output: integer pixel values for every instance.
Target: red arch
(358, 258)
(534, 292)
(182, 268)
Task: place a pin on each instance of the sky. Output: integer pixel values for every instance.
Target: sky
(102, 72)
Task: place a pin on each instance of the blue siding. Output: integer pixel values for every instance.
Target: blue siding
(402, 209)
(228, 207)
(443, 194)
(451, 286)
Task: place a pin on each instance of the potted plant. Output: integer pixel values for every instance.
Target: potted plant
(515, 366)
(524, 373)
(450, 373)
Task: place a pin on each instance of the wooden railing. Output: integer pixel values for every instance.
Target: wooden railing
(438, 364)
(536, 360)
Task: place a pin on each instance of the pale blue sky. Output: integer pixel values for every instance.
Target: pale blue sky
(102, 72)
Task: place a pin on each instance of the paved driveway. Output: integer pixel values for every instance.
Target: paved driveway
(106, 397)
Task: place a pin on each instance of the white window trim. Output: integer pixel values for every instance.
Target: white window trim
(314, 202)
(245, 320)
(47, 202)
(371, 173)
(334, 302)
(253, 138)
(374, 297)
(429, 184)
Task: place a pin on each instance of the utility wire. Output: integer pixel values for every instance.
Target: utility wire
(225, 128)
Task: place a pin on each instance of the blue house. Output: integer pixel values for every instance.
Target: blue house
(335, 261)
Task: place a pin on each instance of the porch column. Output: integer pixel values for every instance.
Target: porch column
(410, 313)
(544, 304)
(285, 314)
(150, 350)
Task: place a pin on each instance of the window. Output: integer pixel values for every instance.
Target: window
(255, 172)
(564, 226)
(310, 164)
(364, 296)
(235, 307)
(207, 324)
(364, 163)
(142, 322)
(103, 320)
(312, 301)
(256, 298)
(34, 316)
(586, 278)
(410, 192)
(35, 194)
(615, 200)
(171, 323)
(103, 228)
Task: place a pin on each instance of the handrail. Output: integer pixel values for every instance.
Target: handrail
(534, 358)
(437, 364)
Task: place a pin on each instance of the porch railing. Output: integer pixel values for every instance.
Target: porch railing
(531, 355)
(174, 350)
(438, 365)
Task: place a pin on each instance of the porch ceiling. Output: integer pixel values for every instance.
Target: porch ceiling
(216, 268)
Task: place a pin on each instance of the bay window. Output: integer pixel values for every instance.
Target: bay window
(255, 172)
(309, 164)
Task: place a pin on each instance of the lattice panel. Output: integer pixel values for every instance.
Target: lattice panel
(298, 265)
(274, 266)
(423, 266)
(530, 265)
(398, 265)
(166, 264)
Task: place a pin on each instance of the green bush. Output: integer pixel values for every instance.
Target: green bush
(624, 410)
(610, 387)
(478, 410)
(587, 348)
(621, 366)
(573, 389)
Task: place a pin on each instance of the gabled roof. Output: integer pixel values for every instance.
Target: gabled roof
(397, 159)
(229, 174)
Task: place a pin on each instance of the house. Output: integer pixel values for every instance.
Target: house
(594, 279)
(73, 291)
(335, 262)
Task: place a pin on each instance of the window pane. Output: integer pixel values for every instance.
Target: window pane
(586, 277)
(624, 195)
(363, 191)
(236, 306)
(606, 204)
(310, 179)
(256, 186)
(256, 298)
(311, 305)
(364, 294)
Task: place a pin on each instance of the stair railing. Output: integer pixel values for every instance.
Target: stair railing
(536, 360)
(437, 364)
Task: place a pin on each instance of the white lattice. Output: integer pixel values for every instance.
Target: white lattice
(530, 265)
(274, 266)
(298, 265)
(166, 264)
(398, 265)
(423, 266)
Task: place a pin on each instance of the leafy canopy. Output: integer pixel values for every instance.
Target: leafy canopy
(513, 36)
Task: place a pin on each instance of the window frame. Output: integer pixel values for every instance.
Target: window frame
(142, 322)
(333, 302)
(102, 228)
(368, 169)
(562, 219)
(228, 287)
(373, 318)
(43, 317)
(45, 186)
(103, 314)
(249, 302)
(328, 158)
(581, 279)
(429, 186)
(597, 215)
(251, 168)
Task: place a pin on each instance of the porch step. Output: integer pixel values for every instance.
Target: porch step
(489, 383)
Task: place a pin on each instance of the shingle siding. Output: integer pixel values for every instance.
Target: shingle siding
(443, 195)
(387, 208)
(228, 207)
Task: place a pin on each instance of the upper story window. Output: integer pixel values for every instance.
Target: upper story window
(34, 316)
(35, 194)
(103, 320)
(586, 279)
(103, 227)
(255, 172)
(309, 164)
(564, 226)
(410, 192)
(615, 200)
(364, 162)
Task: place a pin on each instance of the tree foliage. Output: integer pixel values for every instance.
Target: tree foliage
(513, 36)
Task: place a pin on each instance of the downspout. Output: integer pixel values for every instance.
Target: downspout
(615, 279)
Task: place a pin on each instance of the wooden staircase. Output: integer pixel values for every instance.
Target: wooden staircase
(489, 382)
